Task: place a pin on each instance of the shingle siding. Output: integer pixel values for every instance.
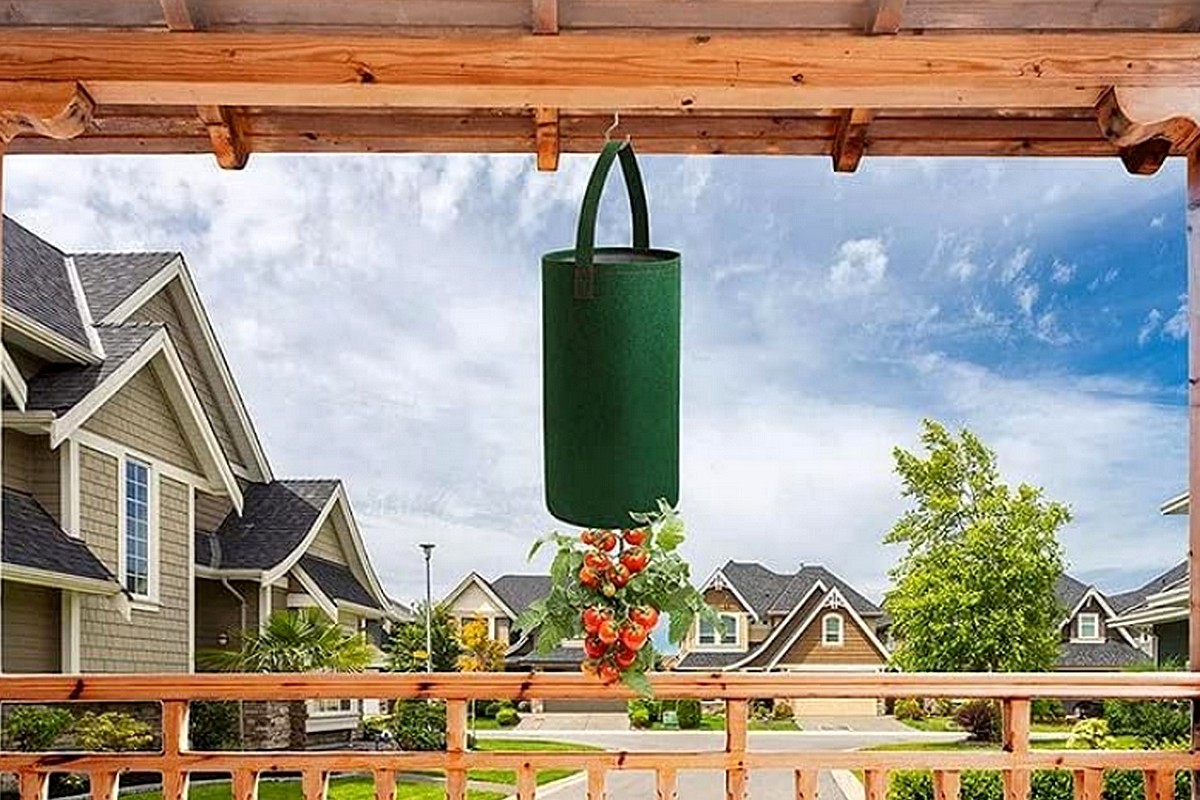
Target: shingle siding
(31, 638)
(154, 641)
(140, 416)
(18, 467)
(808, 648)
(30, 466)
(211, 511)
(162, 308)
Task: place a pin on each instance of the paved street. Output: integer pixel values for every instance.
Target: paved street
(710, 785)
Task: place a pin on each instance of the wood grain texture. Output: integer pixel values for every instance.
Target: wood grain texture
(946, 784)
(56, 109)
(544, 14)
(849, 144)
(547, 136)
(666, 781)
(385, 784)
(34, 785)
(103, 783)
(1089, 784)
(806, 784)
(885, 16)
(224, 127)
(875, 784)
(1159, 785)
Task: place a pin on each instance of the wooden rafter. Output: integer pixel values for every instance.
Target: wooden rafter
(544, 16)
(884, 16)
(1147, 124)
(602, 71)
(182, 15)
(546, 132)
(225, 132)
(851, 139)
(59, 110)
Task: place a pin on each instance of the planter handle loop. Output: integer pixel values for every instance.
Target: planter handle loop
(585, 237)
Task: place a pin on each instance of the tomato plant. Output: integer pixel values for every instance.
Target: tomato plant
(610, 588)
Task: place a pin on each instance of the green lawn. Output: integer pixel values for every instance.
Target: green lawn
(348, 788)
(944, 724)
(508, 776)
(716, 722)
(1115, 743)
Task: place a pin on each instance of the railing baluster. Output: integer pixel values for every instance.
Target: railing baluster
(174, 784)
(596, 782)
(526, 781)
(1160, 784)
(736, 722)
(385, 784)
(946, 783)
(314, 783)
(244, 784)
(666, 780)
(875, 783)
(456, 745)
(34, 785)
(806, 784)
(104, 784)
(174, 742)
(1016, 741)
(1089, 784)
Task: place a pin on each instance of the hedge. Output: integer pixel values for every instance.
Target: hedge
(1119, 784)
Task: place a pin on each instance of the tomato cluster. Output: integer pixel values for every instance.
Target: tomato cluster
(614, 634)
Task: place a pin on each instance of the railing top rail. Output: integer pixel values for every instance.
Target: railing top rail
(531, 685)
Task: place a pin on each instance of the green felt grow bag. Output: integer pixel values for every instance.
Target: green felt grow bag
(610, 323)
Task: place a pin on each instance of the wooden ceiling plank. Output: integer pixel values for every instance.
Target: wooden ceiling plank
(545, 16)
(602, 71)
(225, 131)
(546, 133)
(885, 16)
(59, 110)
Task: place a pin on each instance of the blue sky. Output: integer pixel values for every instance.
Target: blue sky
(381, 315)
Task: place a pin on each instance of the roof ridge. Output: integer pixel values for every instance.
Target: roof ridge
(141, 323)
(37, 236)
(127, 253)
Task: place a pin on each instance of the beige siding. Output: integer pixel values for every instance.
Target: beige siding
(809, 649)
(31, 637)
(140, 416)
(31, 466)
(162, 308)
(154, 640)
(326, 545)
(46, 477)
(18, 461)
(278, 599)
(218, 611)
(723, 600)
(211, 511)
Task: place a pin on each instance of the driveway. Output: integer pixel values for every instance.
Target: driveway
(620, 722)
(710, 784)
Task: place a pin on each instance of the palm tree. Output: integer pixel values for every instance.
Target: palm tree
(297, 640)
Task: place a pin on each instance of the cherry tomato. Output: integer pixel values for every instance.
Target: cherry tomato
(636, 536)
(646, 616)
(588, 667)
(597, 561)
(608, 672)
(633, 636)
(608, 632)
(608, 590)
(594, 648)
(588, 537)
(620, 575)
(635, 559)
(606, 541)
(593, 616)
(589, 577)
(624, 657)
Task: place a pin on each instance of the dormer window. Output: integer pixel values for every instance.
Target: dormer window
(1087, 627)
(728, 636)
(833, 630)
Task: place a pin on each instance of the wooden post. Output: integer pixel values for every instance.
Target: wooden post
(104, 784)
(243, 785)
(174, 742)
(34, 785)
(1016, 740)
(1160, 784)
(875, 781)
(666, 783)
(737, 719)
(314, 782)
(526, 782)
(547, 139)
(1089, 784)
(946, 784)
(456, 745)
(596, 779)
(385, 784)
(806, 784)
(1193, 249)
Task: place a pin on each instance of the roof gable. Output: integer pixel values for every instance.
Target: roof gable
(519, 591)
(770, 593)
(276, 518)
(37, 284)
(109, 279)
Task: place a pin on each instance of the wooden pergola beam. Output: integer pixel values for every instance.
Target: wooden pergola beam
(225, 133)
(850, 142)
(59, 110)
(603, 71)
(1148, 123)
(547, 138)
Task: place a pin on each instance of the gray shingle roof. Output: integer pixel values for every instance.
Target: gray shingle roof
(1113, 654)
(703, 660)
(769, 592)
(518, 591)
(337, 581)
(275, 518)
(36, 283)
(1069, 591)
(1127, 600)
(108, 279)
(33, 539)
(58, 388)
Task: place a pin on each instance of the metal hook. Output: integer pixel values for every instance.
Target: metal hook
(615, 124)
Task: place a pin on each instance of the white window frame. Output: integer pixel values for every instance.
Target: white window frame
(150, 600)
(840, 639)
(731, 623)
(1094, 617)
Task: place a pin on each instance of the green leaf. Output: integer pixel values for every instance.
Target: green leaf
(637, 680)
(680, 624)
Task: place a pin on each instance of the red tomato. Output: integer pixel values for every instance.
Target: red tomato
(606, 541)
(594, 648)
(633, 636)
(589, 577)
(597, 561)
(636, 537)
(624, 657)
(635, 559)
(588, 537)
(646, 616)
(620, 575)
(607, 632)
(593, 616)
(608, 672)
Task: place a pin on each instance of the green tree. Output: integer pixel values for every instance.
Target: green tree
(297, 640)
(406, 648)
(975, 589)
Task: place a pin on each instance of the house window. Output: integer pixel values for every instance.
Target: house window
(137, 528)
(728, 635)
(332, 707)
(1088, 626)
(833, 631)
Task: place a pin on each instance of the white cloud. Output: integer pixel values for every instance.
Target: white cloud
(1025, 295)
(1016, 264)
(860, 267)
(1061, 272)
(1150, 326)
(1177, 326)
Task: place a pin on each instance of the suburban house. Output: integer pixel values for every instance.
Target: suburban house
(1089, 639)
(807, 620)
(1160, 607)
(141, 521)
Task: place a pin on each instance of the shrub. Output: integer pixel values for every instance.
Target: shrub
(34, 728)
(1119, 784)
(652, 709)
(909, 708)
(1047, 710)
(783, 710)
(639, 718)
(1089, 734)
(689, 714)
(760, 709)
(943, 707)
(215, 725)
(1153, 722)
(507, 717)
(981, 719)
(490, 710)
(419, 725)
(112, 730)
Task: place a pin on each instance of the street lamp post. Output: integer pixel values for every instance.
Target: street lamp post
(428, 548)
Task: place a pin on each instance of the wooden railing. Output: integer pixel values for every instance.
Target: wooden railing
(1015, 760)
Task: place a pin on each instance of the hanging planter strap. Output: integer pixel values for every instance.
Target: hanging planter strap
(585, 236)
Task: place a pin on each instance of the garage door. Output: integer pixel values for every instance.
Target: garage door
(821, 707)
(584, 706)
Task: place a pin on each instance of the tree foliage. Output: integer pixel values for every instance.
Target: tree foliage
(480, 652)
(406, 648)
(297, 640)
(975, 589)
